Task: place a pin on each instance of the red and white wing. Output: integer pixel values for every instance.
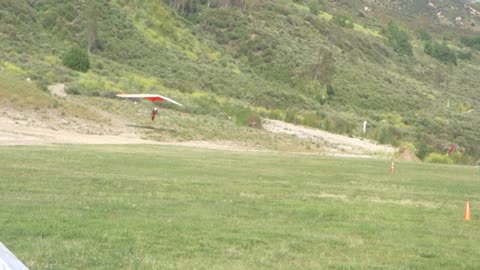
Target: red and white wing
(151, 97)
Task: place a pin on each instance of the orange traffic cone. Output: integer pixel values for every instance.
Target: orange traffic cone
(392, 167)
(467, 215)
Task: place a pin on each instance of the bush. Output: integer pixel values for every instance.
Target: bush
(314, 7)
(423, 150)
(424, 35)
(440, 51)
(387, 135)
(254, 121)
(464, 55)
(473, 42)
(438, 158)
(330, 90)
(398, 39)
(72, 90)
(76, 59)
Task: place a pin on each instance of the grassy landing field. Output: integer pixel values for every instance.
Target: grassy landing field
(158, 207)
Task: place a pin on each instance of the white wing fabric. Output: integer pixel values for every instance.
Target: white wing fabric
(8, 261)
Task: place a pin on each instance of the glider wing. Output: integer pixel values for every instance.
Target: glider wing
(151, 97)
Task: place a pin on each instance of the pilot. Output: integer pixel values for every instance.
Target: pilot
(154, 112)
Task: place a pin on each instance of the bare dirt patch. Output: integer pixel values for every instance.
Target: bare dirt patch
(105, 126)
(57, 89)
(407, 154)
(54, 127)
(31, 132)
(338, 145)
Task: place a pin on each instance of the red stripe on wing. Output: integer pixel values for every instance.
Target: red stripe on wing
(153, 99)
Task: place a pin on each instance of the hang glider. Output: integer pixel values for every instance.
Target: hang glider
(152, 98)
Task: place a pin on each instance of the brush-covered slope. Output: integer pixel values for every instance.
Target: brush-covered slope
(325, 64)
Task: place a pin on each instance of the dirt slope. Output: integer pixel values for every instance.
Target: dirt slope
(338, 144)
(53, 127)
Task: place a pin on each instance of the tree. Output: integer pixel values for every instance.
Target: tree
(324, 69)
(441, 80)
(321, 75)
(76, 59)
(91, 28)
(398, 39)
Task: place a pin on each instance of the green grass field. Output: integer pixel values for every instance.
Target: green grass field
(152, 207)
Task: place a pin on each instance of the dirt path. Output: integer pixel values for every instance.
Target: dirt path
(339, 144)
(17, 132)
(18, 129)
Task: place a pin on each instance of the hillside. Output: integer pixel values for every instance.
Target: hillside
(324, 64)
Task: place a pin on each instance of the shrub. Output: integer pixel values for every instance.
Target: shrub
(423, 150)
(314, 7)
(76, 59)
(464, 55)
(254, 121)
(424, 35)
(330, 90)
(72, 90)
(398, 39)
(473, 42)
(440, 51)
(49, 19)
(387, 135)
(438, 158)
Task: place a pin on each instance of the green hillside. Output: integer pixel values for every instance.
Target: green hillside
(325, 64)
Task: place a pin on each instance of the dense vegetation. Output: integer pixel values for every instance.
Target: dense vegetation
(473, 42)
(398, 39)
(325, 64)
(76, 59)
(440, 51)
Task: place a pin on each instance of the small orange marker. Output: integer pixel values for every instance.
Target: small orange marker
(467, 214)
(392, 167)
